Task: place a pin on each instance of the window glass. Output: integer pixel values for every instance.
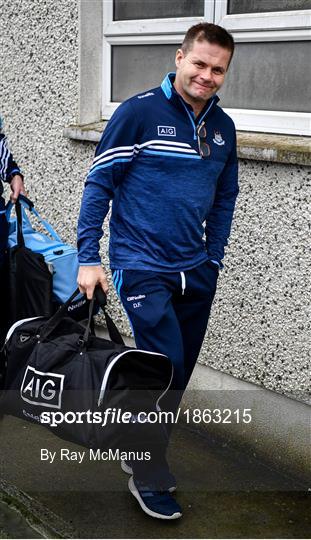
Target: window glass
(136, 68)
(273, 76)
(125, 10)
(259, 6)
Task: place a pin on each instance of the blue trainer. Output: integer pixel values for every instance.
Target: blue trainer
(170, 480)
(157, 504)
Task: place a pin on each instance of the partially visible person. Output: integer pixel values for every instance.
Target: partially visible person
(9, 172)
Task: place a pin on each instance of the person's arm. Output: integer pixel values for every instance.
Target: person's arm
(9, 170)
(114, 153)
(219, 219)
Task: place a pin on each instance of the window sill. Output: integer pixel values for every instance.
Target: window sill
(270, 147)
(258, 146)
(85, 132)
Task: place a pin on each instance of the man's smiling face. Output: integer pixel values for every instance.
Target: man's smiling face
(201, 71)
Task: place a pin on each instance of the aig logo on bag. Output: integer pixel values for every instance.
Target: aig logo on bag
(43, 389)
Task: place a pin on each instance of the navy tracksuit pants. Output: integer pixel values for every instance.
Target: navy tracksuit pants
(168, 312)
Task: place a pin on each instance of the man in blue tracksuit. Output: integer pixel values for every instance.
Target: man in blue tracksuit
(167, 159)
(9, 172)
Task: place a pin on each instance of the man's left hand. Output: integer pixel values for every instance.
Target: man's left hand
(17, 187)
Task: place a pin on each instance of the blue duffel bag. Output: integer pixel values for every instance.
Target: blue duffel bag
(61, 258)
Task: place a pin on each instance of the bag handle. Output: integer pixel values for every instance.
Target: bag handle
(27, 203)
(22, 199)
(19, 236)
(53, 322)
(101, 298)
(48, 227)
(113, 331)
(19, 216)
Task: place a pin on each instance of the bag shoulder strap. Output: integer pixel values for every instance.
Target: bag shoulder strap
(29, 205)
(48, 227)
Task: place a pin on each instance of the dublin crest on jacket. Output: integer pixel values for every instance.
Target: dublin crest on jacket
(218, 138)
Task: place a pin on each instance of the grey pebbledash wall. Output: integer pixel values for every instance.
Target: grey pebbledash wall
(260, 329)
(260, 324)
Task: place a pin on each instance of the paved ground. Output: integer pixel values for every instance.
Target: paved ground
(224, 494)
(14, 525)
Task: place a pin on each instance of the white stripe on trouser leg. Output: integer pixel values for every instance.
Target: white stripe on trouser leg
(183, 282)
(118, 282)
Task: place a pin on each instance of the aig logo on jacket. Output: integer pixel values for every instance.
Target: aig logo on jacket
(168, 131)
(41, 388)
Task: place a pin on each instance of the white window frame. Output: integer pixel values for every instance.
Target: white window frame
(140, 32)
(250, 27)
(263, 27)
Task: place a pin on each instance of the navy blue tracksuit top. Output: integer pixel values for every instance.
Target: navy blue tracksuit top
(165, 195)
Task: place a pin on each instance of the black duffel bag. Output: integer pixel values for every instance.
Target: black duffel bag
(28, 278)
(42, 270)
(56, 368)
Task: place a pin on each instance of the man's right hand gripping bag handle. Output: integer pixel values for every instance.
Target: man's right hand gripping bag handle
(101, 298)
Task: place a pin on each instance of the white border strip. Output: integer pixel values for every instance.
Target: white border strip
(288, 123)
(17, 324)
(114, 361)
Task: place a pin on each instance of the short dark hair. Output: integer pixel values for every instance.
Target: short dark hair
(208, 32)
